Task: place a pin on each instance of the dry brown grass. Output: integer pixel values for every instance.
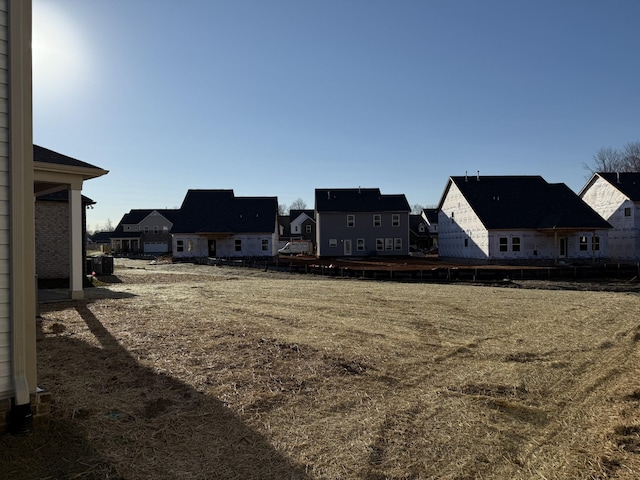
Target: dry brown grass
(199, 372)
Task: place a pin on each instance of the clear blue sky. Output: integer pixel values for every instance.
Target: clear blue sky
(279, 97)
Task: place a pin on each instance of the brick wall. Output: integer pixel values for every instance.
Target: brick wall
(52, 239)
(40, 409)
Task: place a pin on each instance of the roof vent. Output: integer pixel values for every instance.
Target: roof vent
(618, 177)
(478, 175)
(328, 194)
(466, 178)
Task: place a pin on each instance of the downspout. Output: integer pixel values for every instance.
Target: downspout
(22, 251)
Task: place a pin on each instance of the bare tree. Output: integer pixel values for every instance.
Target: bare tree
(283, 210)
(609, 159)
(632, 156)
(416, 209)
(298, 204)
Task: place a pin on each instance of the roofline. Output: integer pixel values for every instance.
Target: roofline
(86, 172)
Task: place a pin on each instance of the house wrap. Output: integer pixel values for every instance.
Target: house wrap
(616, 197)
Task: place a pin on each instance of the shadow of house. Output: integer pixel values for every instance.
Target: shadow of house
(148, 412)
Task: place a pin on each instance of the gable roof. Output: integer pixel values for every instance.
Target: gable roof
(298, 217)
(360, 200)
(525, 202)
(135, 216)
(220, 211)
(431, 214)
(296, 213)
(414, 225)
(628, 183)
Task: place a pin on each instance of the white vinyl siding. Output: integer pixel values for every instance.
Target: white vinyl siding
(5, 323)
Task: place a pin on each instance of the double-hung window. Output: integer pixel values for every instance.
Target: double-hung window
(351, 220)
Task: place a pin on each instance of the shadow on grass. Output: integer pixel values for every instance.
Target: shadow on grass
(114, 418)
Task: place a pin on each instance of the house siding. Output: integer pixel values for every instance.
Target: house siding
(462, 235)
(5, 309)
(610, 203)
(456, 222)
(251, 246)
(333, 226)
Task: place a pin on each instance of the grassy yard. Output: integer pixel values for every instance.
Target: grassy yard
(198, 372)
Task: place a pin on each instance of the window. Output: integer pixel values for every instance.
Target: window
(333, 242)
(296, 229)
(515, 244)
(397, 243)
(179, 245)
(453, 217)
(395, 220)
(466, 242)
(627, 211)
(351, 220)
(145, 229)
(504, 244)
(265, 245)
(360, 244)
(421, 228)
(583, 243)
(377, 220)
(156, 229)
(388, 243)
(238, 244)
(165, 229)
(379, 244)
(595, 243)
(307, 228)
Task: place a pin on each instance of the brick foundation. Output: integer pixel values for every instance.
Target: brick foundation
(40, 411)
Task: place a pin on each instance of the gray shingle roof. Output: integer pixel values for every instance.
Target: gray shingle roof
(41, 154)
(526, 202)
(359, 200)
(136, 216)
(220, 211)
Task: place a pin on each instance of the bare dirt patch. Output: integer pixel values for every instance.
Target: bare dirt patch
(182, 371)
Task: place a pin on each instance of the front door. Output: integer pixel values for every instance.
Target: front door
(347, 247)
(563, 247)
(212, 248)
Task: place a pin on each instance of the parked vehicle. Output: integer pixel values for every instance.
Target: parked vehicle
(297, 248)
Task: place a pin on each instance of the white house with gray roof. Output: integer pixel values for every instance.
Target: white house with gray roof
(518, 219)
(616, 197)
